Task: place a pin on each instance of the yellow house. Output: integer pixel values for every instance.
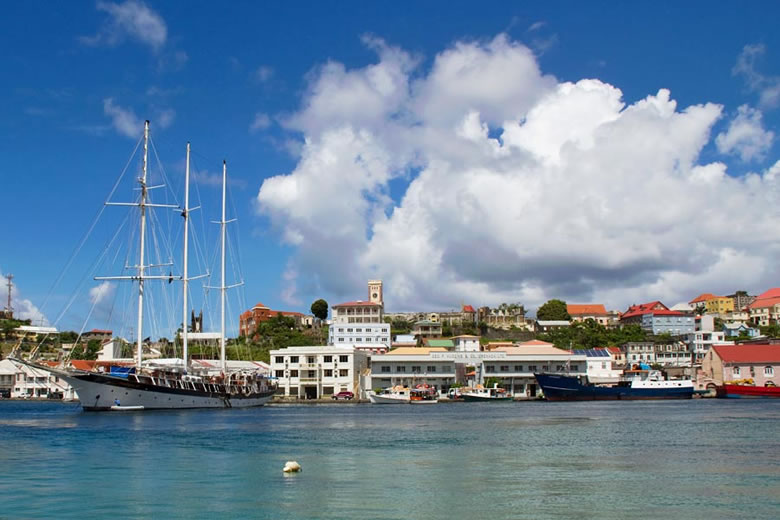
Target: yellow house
(720, 305)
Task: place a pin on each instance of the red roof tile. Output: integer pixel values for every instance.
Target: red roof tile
(259, 306)
(748, 353)
(702, 298)
(766, 299)
(647, 308)
(468, 308)
(586, 309)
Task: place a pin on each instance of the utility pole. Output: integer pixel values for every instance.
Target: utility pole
(8, 307)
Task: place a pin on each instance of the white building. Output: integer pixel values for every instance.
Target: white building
(409, 366)
(319, 372)
(371, 337)
(466, 343)
(34, 383)
(515, 366)
(700, 342)
(601, 366)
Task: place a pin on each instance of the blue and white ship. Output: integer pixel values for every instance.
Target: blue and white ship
(636, 385)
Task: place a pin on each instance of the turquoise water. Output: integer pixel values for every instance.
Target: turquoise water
(682, 459)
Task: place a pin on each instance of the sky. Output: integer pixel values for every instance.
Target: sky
(597, 152)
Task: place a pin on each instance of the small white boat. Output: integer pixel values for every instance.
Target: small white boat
(395, 395)
(480, 393)
(120, 408)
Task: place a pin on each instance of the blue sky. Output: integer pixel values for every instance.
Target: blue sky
(375, 95)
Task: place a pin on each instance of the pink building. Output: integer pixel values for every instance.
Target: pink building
(724, 363)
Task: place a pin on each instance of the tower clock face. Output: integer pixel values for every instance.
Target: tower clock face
(376, 295)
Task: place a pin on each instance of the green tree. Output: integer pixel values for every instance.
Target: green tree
(88, 351)
(553, 310)
(320, 309)
(492, 381)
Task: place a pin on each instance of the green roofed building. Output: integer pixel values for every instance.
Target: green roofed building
(444, 343)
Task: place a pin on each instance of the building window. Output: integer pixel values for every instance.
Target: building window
(416, 369)
(279, 359)
(293, 359)
(769, 371)
(343, 359)
(490, 369)
(574, 368)
(359, 340)
(400, 369)
(532, 368)
(504, 368)
(545, 368)
(327, 359)
(431, 368)
(735, 371)
(311, 359)
(328, 372)
(280, 373)
(293, 373)
(518, 368)
(344, 373)
(385, 369)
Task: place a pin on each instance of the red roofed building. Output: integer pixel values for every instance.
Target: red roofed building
(761, 363)
(655, 317)
(702, 299)
(765, 309)
(588, 311)
(249, 320)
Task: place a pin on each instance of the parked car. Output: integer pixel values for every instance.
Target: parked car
(345, 395)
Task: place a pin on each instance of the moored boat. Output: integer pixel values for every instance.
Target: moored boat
(746, 391)
(494, 394)
(639, 384)
(423, 394)
(147, 386)
(395, 395)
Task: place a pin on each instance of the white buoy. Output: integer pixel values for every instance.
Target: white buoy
(291, 466)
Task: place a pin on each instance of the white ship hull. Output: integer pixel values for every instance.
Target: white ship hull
(101, 392)
(388, 399)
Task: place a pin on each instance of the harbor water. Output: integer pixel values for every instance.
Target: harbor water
(707, 459)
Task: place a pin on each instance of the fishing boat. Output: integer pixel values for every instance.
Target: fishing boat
(423, 394)
(636, 385)
(394, 395)
(482, 394)
(151, 385)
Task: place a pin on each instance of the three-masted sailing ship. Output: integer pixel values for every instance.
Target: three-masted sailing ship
(153, 386)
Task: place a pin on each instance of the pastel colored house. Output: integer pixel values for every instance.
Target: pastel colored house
(765, 309)
(588, 311)
(761, 363)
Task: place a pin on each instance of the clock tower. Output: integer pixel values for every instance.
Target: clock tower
(375, 292)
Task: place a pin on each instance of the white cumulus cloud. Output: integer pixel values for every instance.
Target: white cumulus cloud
(483, 180)
(127, 123)
(745, 136)
(129, 20)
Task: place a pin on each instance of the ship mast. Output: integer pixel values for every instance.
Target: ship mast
(185, 280)
(141, 266)
(223, 288)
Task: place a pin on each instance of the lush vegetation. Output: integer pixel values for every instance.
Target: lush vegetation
(590, 334)
(320, 309)
(278, 332)
(553, 310)
(88, 350)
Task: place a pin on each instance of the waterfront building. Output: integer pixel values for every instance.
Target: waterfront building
(515, 366)
(320, 371)
(466, 343)
(413, 366)
(618, 357)
(761, 363)
(588, 311)
(357, 312)
(249, 320)
(765, 309)
(656, 318)
(34, 383)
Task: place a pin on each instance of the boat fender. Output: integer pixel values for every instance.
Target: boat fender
(291, 466)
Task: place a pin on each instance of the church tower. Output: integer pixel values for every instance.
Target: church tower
(375, 292)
